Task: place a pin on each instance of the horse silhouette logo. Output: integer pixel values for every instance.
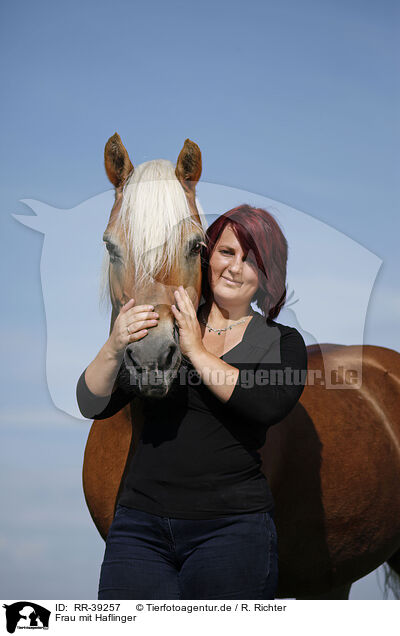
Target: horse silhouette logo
(26, 615)
(328, 274)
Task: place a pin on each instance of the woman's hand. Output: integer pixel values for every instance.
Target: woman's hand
(189, 329)
(131, 324)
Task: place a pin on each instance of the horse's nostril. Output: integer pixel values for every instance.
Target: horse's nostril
(131, 359)
(165, 359)
(170, 355)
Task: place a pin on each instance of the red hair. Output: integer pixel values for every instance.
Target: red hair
(258, 231)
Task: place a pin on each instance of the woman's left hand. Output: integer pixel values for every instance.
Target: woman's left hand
(189, 328)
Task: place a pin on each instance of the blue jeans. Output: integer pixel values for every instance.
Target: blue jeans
(152, 557)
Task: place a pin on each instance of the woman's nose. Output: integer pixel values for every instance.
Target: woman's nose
(236, 265)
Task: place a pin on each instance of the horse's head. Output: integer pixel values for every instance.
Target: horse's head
(153, 239)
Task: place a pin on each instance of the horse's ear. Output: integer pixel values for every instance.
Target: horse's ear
(188, 166)
(116, 161)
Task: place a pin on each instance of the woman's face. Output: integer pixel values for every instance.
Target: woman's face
(233, 281)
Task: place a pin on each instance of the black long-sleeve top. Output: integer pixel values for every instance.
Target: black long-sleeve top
(198, 457)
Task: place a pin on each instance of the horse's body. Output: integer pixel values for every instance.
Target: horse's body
(334, 469)
(333, 464)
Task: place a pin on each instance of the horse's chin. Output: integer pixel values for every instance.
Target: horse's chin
(154, 384)
(152, 392)
(149, 384)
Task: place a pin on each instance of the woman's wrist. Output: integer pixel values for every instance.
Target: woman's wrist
(110, 353)
(101, 373)
(199, 356)
(219, 376)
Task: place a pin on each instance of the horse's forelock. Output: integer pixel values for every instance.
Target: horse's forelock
(153, 193)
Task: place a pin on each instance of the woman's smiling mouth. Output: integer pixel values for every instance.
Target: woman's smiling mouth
(232, 282)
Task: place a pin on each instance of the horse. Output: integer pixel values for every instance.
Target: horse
(333, 464)
(153, 240)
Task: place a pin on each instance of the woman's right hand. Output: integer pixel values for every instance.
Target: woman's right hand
(131, 324)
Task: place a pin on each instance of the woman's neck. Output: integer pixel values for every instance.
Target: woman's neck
(220, 316)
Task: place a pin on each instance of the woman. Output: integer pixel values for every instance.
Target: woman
(195, 515)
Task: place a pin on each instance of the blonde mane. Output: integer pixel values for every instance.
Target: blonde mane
(153, 218)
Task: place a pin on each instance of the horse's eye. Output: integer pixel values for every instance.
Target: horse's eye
(113, 252)
(196, 249)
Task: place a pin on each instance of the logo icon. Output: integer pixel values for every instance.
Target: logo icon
(26, 615)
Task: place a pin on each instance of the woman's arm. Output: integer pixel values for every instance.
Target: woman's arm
(264, 401)
(275, 388)
(101, 373)
(96, 407)
(219, 376)
(95, 386)
(264, 392)
(128, 327)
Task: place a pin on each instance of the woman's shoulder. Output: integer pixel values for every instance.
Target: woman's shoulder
(267, 330)
(267, 324)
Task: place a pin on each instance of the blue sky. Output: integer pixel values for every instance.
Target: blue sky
(297, 102)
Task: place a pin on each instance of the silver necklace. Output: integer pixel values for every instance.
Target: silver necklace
(218, 331)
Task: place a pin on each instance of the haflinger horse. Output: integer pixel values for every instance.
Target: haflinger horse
(153, 239)
(333, 463)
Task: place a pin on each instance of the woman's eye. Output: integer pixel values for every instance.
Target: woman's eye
(225, 252)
